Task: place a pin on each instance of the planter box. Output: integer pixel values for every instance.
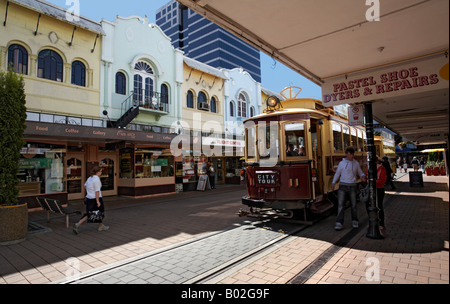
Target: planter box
(13, 223)
(436, 171)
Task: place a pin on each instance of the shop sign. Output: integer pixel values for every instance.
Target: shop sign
(356, 115)
(35, 163)
(414, 77)
(223, 142)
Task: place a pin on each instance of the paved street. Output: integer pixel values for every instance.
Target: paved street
(188, 237)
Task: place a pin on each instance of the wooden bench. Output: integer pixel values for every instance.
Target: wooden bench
(54, 206)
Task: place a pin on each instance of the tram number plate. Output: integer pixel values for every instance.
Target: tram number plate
(266, 179)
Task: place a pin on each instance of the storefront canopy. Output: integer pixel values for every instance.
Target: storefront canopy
(334, 42)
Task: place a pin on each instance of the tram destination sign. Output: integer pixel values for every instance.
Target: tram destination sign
(417, 76)
(266, 178)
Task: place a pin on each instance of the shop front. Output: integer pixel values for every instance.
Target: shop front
(57, 159)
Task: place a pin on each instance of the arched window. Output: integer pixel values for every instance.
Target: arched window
(242, 106)
(201, 99)
(164, 93)
(50, 65)
(190, 100)
(78, 73)
(121, 83)
(213, 105)
(144, 80)
(252, 111)
(18, 59)
(232, 112)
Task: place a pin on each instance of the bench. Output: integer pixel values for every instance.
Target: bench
(54, 206)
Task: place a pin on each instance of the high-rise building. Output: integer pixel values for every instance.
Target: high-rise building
(202, 40)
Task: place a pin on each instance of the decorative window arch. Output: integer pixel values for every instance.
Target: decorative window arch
(78, 73)
(144, 67)
(18, 58)
(121, 83)
(201, 99)
(190, 99)
(144, 80)
(242, 105)
(50, 65)
(213, 105)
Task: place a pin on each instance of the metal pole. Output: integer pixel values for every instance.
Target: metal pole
(374, 227)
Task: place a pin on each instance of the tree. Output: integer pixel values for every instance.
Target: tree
(12, 128)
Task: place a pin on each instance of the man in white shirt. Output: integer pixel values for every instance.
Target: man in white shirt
(347, 172)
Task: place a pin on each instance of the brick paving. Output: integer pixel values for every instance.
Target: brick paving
(412, 251)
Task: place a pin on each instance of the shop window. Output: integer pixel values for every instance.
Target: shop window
(78, 73)
(295, 139)
(18, 59)
(107, 177)
(337, 137)
(41, 169)
(50, 65)
(74, 174)
(153, 164)
(126, 163)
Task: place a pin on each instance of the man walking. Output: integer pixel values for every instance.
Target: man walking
(347, 173)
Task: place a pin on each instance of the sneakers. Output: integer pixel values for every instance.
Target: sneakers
(75, 229)
(338, 226)
(103, 228)
(355, 224)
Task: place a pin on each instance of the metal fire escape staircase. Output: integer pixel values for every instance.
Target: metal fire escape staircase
(129, 111)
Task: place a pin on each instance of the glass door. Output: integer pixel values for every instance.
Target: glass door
(75, 176)
(109, 173)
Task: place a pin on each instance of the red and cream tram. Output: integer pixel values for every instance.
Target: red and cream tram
(292, 152)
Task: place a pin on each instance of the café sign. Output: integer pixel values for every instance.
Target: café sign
(407, 78)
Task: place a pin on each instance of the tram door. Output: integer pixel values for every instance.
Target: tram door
(316, 142)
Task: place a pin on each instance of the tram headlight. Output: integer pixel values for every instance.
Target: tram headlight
(272, 101)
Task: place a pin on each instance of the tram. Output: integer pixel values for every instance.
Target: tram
(292, 152)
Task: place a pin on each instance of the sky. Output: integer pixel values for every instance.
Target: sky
(275, 76)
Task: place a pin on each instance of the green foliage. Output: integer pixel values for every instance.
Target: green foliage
(12, 128)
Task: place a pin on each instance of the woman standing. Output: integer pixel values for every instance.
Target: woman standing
(94, 200)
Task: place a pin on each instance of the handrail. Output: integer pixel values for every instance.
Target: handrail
(127, 104)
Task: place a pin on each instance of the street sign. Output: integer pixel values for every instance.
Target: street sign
(356, 115)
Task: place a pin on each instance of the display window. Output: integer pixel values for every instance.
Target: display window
(41, 169)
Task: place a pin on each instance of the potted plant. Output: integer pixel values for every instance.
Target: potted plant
(13, 215)
(442, 168)
(436, 169)
(429, 168)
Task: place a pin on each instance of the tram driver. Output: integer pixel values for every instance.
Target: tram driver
(290, 151)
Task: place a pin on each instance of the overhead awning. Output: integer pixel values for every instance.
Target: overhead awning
(432, 150)
(327, 41)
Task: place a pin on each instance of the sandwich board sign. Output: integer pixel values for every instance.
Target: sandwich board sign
(203, 183)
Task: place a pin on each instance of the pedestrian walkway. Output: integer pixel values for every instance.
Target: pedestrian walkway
(176, 238)
(413, 250)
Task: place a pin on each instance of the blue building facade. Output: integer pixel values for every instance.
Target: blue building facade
(202, 40)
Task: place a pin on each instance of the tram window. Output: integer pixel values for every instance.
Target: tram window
(337, 137)
(354, 142)
(346, 135)
(265, 143)
(365, 141)
(360, 141)
(251, 140)
(295, 139)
